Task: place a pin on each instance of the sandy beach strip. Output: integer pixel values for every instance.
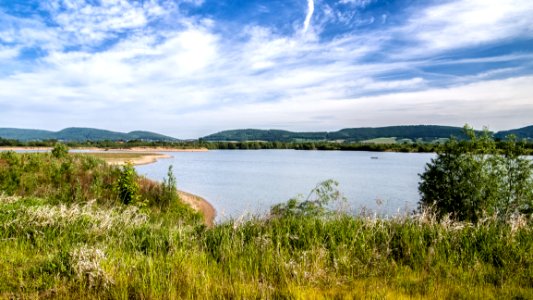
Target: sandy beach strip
(133, 149)
(166, 149)
(200, 204)
(25, 148)
(141, 159)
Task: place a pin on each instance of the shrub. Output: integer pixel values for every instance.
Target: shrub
(470, 178)
(170, 192)
(127, 186)
(60, 150)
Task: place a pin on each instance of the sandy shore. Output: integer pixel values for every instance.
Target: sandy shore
(201, 205)
(142, 160)
(134, 149)
(25, 148)
(165, 149)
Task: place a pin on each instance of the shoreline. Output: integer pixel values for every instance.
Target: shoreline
(96, 149)
(201, 205)
(147, 159)
(196, 202)
(163, 149)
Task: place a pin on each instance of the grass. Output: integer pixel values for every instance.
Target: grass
(101, 248)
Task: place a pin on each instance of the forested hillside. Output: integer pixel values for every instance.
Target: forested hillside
(79, 135)
(521, 133)
(425, 132)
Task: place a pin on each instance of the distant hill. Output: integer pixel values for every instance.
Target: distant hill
(521, 133)
(80, 134)
(413, 132)
(25, 134)
(410, 132)
(264, 135)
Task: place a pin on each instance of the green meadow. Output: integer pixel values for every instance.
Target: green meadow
(74, 227)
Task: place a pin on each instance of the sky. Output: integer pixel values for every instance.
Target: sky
(188, 68)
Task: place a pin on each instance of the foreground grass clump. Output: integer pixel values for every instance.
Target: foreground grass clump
(86, 250)
(76, 247)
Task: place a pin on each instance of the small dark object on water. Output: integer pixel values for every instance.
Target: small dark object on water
(373, 157)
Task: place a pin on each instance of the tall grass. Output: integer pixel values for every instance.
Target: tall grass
(79, 178)
(105, 249)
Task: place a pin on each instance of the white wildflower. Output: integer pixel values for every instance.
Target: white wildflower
(86, 265)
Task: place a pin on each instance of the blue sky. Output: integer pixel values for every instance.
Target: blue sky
(193, 67)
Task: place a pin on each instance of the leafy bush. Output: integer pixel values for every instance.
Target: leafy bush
(60, 150)
(471, 178)
(127, 185)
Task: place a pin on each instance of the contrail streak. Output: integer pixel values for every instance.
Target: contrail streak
(310, 10)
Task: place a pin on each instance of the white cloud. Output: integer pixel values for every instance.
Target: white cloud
(20, 32)
(8, 52)
(79, 23)
(90, 23)
(466, 23)
(359, 3)
(477, 104)
(189, 51)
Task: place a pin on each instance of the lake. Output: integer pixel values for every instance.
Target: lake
(240, 182)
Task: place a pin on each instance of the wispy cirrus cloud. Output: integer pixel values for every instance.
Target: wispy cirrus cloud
(468, 23)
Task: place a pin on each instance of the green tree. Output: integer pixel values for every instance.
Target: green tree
(515, 171)
(470, 178)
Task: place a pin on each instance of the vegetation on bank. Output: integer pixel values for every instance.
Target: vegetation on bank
(473, 178)
(65, 178)
(418, 147)
(75, 227)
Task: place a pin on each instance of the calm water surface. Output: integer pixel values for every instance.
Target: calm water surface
(238, 182)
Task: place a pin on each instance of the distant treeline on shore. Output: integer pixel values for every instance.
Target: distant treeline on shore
(389, 134)
(417, 138)
(418, 147)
